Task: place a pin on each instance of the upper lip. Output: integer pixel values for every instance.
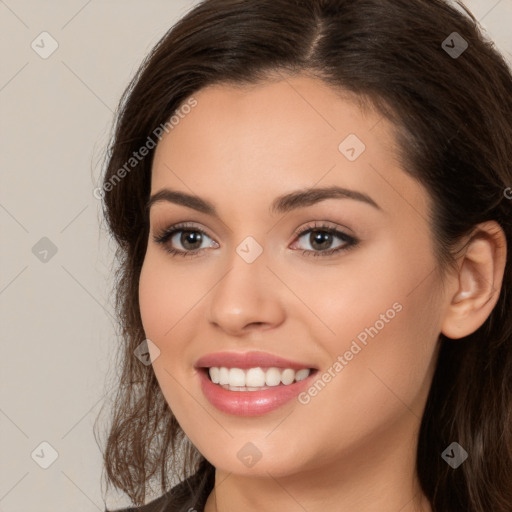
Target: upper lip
(246, 360)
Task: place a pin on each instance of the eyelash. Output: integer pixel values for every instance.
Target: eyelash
(350, 242)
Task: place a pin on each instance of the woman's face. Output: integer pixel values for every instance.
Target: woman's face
(341, 283)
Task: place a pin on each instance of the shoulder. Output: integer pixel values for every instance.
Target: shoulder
(161, 504)
(188, 496)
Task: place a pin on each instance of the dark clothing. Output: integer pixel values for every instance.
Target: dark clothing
(188, 496)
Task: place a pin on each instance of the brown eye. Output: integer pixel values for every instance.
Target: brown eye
(321, 240)
(184, 240)
(191, 240)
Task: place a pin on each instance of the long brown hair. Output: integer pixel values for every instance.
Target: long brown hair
(450, 101)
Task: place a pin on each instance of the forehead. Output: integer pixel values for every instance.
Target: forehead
(287, 117)
(279, 135)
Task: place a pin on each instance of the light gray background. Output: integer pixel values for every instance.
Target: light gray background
(56, 323)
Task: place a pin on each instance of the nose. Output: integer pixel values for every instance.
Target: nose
(248, 297)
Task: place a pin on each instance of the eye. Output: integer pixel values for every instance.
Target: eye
(321, 238)
(187, 240)
(190, 238)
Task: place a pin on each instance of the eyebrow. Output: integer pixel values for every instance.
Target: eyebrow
(282, 204)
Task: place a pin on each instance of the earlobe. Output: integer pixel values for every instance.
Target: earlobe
(478, 283)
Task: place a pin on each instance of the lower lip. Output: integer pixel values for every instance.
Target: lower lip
(250, 403)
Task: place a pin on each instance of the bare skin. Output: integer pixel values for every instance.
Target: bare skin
(353, 445)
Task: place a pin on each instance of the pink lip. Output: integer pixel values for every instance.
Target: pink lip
(246, 360)
(250, 403)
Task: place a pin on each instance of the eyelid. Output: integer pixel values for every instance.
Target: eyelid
(322, 225)
(166, 232)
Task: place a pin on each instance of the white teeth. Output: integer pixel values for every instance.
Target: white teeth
(214, 375)
(288, 376)
(236, 377)
(301, 375)
(273, 377)
(223, 376)
(244, 388)
(255, 379)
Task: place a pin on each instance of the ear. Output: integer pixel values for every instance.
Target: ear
(475, 289)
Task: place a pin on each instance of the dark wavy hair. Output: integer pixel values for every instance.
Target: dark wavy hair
(453, 120)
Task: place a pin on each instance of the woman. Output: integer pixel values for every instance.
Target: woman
(310, 201)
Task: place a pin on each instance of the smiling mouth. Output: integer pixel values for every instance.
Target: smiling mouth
(255, 379)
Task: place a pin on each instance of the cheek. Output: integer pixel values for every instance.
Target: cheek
(162, 300)
(166, 295)
(382, 316)
(169, 301)
(346, 298)
(153, 300)
(379, 371)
